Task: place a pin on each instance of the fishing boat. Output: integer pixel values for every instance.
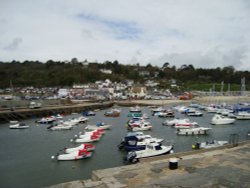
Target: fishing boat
(193, 131)
(75, 155)
(98, 126)
(132, 142)
(208, 144)
(18, 125)
(221, 120)
(151, 150)
(86, 146)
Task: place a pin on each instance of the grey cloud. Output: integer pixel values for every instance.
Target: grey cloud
(14, 44)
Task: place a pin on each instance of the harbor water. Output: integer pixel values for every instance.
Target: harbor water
(25, 155)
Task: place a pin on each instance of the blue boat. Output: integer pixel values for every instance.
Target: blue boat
(88, 113)
(129, 143)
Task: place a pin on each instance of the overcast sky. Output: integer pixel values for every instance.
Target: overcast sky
(204, 33)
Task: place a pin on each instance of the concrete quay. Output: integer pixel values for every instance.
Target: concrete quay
(224, 167)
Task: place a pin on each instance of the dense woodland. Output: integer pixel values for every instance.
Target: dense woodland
(58, 74)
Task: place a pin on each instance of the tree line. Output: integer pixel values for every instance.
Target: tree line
(60, 74)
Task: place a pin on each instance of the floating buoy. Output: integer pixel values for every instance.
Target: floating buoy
(52, 157)
(71, 140)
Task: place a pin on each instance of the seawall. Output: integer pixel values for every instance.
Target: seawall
(226, 166)
(20, 114)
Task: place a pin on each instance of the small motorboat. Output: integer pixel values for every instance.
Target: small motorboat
(135, 114)
(58, 127)
(208, 144)
(195, 113)
(140, 126)
(132, 142)
(87, 138)
(185, 123)
(18, 125)
(47, 120)
(193, 131)
(97, 132)
(83, 119)
(86, 146)
(113, 113)
(151, 150)
(167, 113)
(88, 113)
(171, 122)
(75, 155)
(98, 126)
(243, 115)
(221, 120)
(135, 109)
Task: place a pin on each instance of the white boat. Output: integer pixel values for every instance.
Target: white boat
(184, 124)
(193, 131)
(46, 120)
(97, 132)
(194, 113)
(140, 126)
(211, 109)
(86, 146)
(171, 122)
(61, 126)
(75, 155)
(135, 109)
(151, 150)
(209, 144)
(87, 138)
(244, 115)
(98, 126)
(221, 120)
(83, 119)
(18, 125)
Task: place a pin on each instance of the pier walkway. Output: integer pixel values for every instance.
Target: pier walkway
(218, 168)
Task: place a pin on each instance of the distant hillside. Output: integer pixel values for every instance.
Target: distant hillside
(54, 73)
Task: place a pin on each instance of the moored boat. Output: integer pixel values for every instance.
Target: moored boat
(75, 155)
(151, 150)
(98, 126)
(221, 120)
(113, 113)
(18, 125)
(86, 146)
(208, 144)
(243, 115)
(193, 131)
